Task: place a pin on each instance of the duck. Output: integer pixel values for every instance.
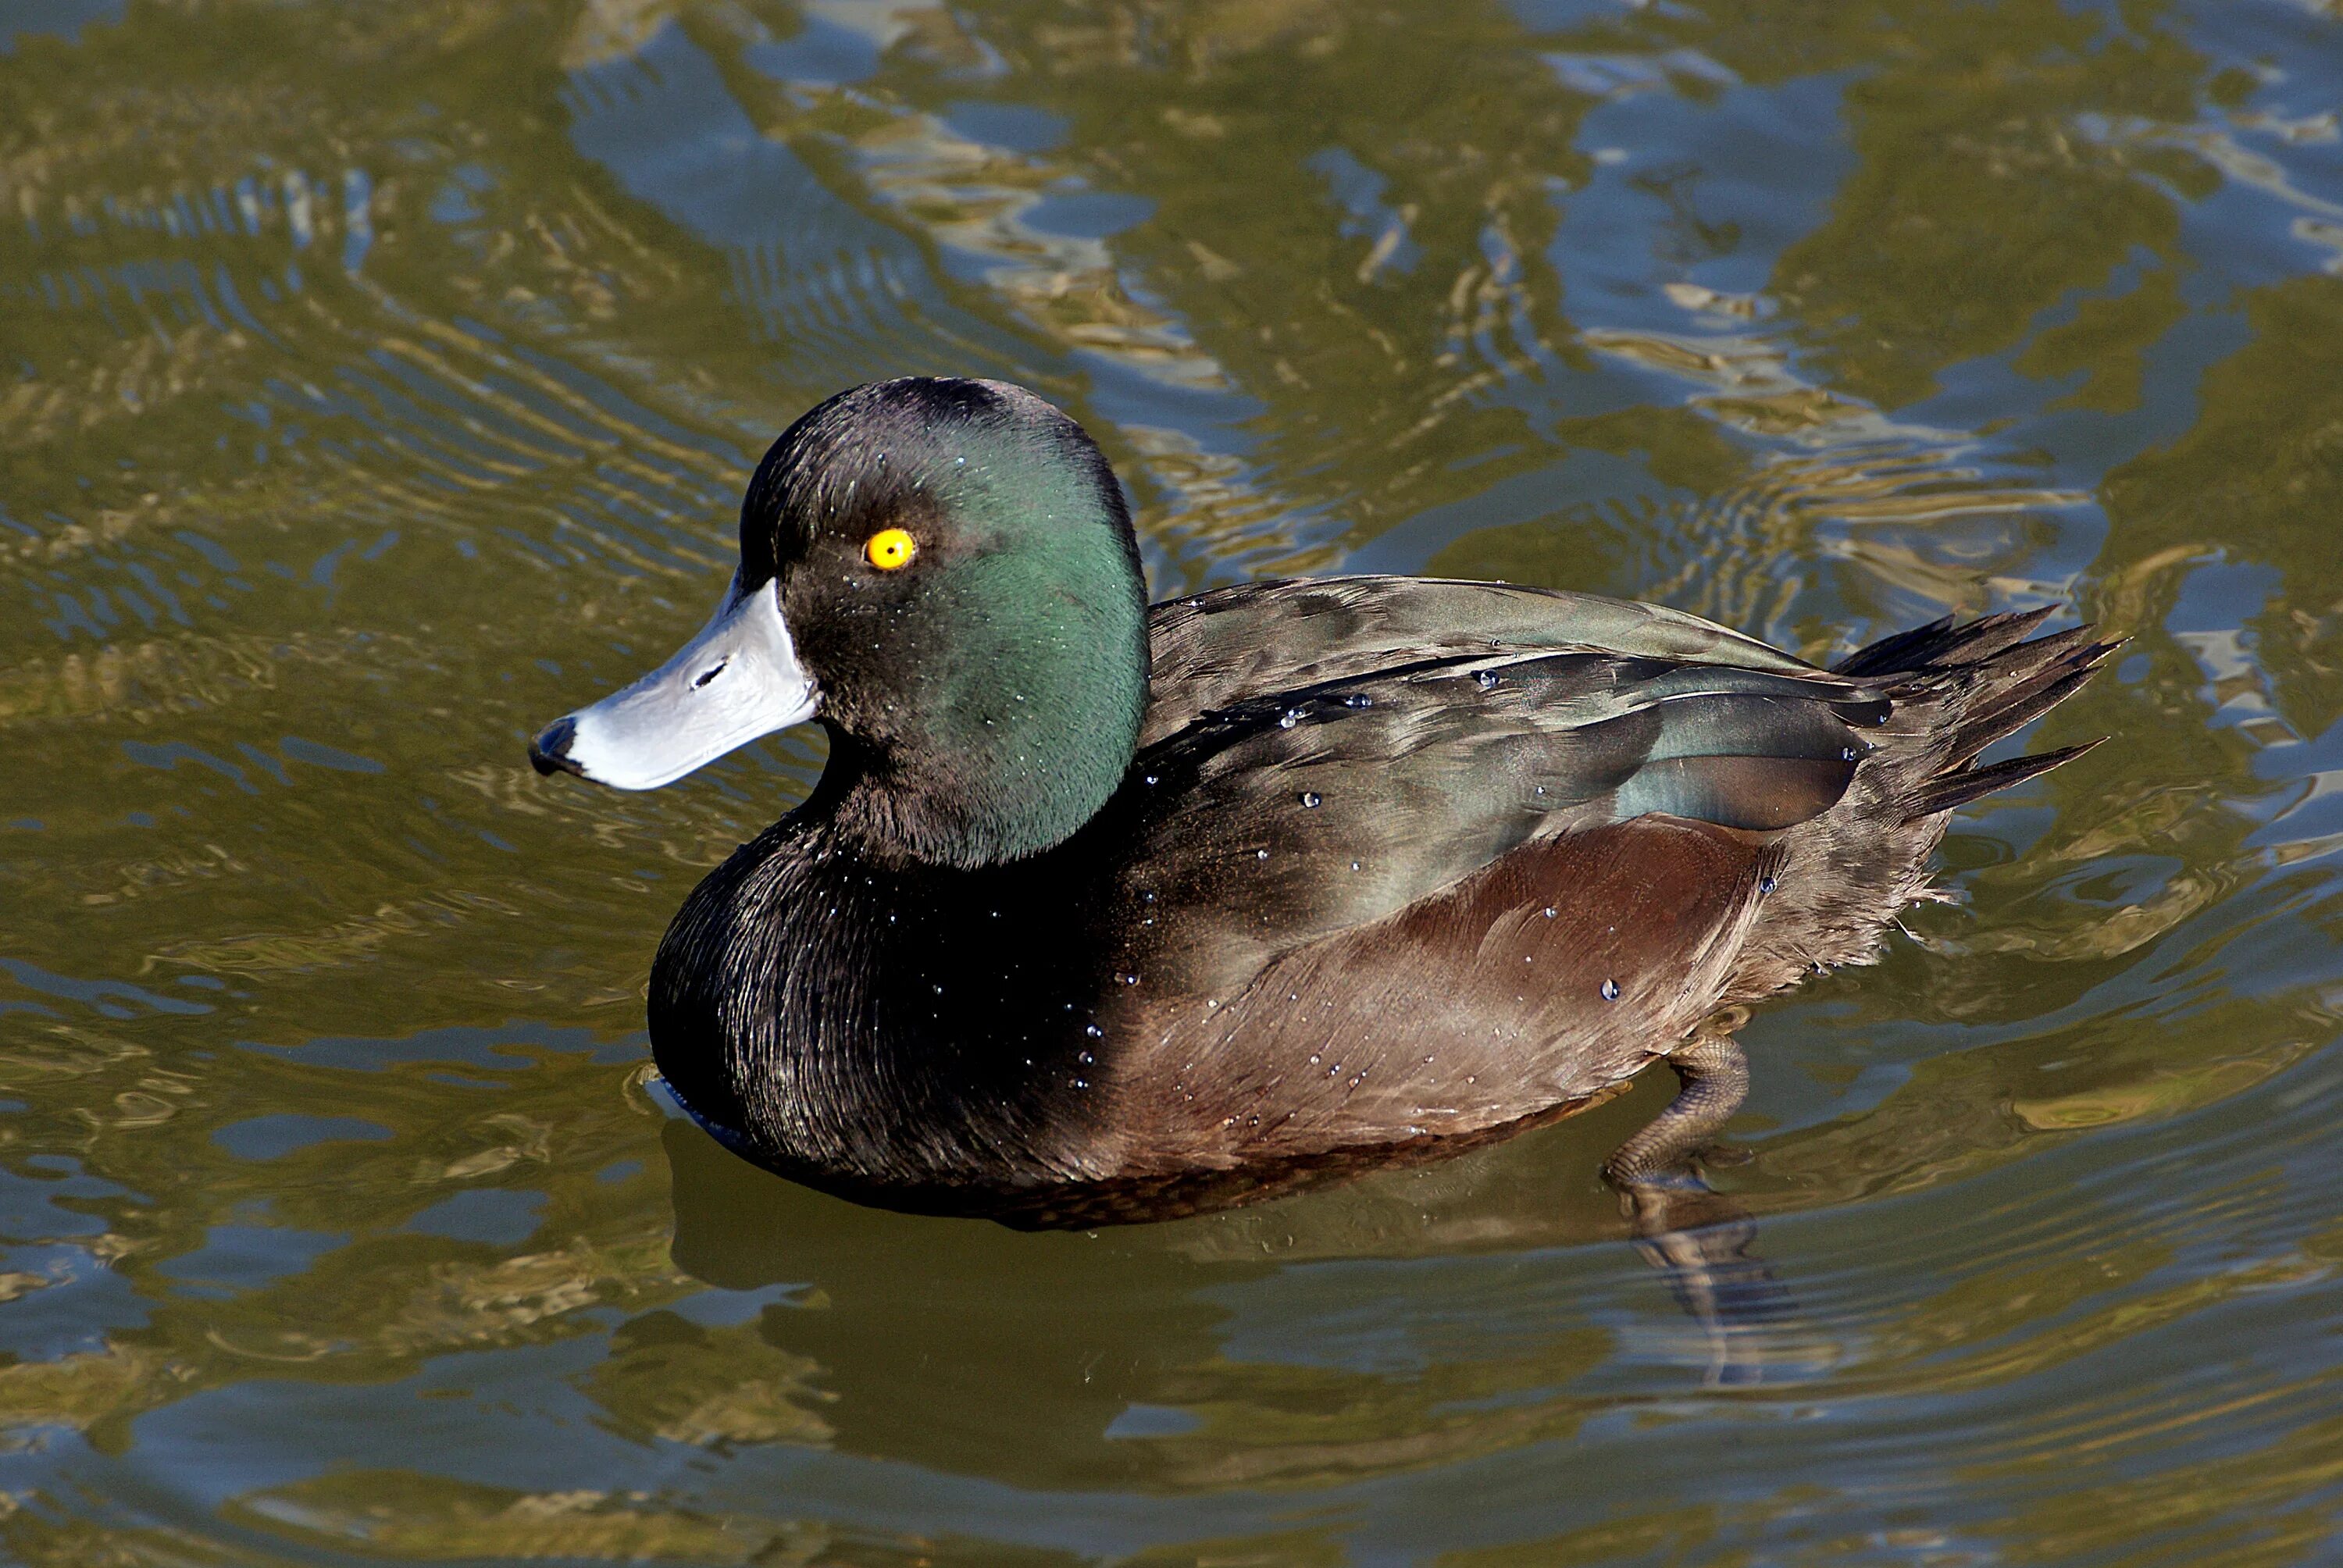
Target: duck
(1103, 911)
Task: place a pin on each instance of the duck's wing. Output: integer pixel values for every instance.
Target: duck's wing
(1213, 650)
(1326, 805)
(1534, 866)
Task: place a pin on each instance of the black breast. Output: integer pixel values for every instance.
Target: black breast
(864, 1025)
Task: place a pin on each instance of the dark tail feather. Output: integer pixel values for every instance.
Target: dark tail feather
(1940, 645)
(1948, 790)
(1994, 681)
(2023, 685)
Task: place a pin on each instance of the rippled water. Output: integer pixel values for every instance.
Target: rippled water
(375, 382)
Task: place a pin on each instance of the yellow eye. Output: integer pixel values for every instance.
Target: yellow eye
(889, 549)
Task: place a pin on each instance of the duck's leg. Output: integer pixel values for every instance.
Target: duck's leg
(1699, 1240)
(1714, 1080)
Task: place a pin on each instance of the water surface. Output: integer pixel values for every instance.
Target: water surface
(378, 382)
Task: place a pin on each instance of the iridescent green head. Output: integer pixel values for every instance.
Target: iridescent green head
(942, 572)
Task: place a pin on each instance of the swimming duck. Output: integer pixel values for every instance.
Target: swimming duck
(1105, 912)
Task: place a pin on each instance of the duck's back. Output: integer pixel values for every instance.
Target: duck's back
(1214, 650)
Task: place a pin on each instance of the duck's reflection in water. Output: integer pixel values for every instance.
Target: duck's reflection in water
(1077, 1329)
(936, 1339)
(1701, 1242)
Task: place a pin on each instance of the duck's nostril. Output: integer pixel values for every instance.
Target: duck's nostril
(550, 752)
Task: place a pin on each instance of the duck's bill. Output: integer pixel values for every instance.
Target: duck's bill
(738, 679)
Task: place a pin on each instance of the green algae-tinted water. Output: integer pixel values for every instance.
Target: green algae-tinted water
(377, 381)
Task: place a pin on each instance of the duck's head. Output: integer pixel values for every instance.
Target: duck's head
(941, 572)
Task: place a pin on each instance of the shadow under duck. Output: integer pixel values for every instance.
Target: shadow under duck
(1107, 912)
